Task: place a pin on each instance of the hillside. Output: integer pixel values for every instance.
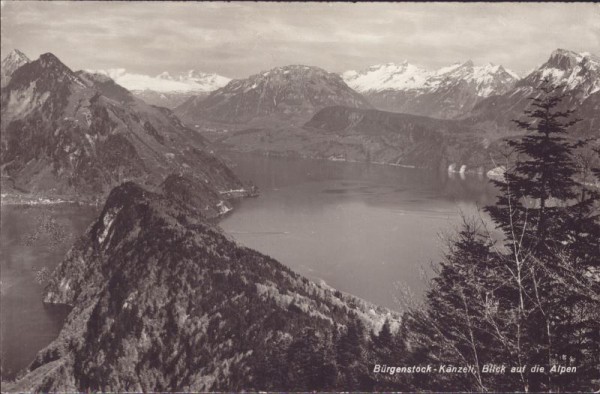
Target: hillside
(290, 94)
(76, 135)
(194, 312)
(351, 134)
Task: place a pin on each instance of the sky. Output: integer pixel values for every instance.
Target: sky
(240, 39)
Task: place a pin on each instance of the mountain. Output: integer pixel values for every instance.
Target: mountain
(290, 94)
(484, 100)
(68, 133)
(166, 90)
(10, 63)
(193, 312)
(446, 93)
(576, 75)
(362, 135)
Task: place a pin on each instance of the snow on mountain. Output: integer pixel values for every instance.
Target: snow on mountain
(407, 77)
(577, 78)
(403, 76)
(574, 71)
(448, 92)
(10, 63)
(192, 81)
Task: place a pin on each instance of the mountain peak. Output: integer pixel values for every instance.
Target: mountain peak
(564, 52)
(48, 56)
(298, 68)
(575, 72)
(16, 55)
(563, 59)
(50, 61)
(11, 63)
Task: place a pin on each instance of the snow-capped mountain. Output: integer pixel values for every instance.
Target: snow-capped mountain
(10, 63)
(165, 89)
(293, 93)
(444, 93)
(574, 72)
(577, 77)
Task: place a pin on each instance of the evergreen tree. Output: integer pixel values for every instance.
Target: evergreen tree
(351, 352)
(535, 299)
(552, 230)
(544, 170)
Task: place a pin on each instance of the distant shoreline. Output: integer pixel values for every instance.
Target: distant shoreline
(7, 199)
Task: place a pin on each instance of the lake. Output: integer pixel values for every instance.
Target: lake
(361, 228)
(31, 238)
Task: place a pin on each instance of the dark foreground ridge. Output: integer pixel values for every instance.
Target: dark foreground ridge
(164, 301)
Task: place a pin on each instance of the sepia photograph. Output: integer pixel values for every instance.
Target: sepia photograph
(241, 196)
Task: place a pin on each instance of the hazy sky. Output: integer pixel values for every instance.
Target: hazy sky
(239, 39)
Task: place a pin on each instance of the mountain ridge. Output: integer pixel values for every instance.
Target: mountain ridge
(341, 133)
(445, 93)
(194, 312)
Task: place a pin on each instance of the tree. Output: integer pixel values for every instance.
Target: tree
(457, 324)
(532, 299)
(351, 352)
(552, 230)
(543, 173)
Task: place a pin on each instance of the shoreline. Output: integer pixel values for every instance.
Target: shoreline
(299, 156)
(9, 199)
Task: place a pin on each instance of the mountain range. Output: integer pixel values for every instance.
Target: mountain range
(67, 133)
(167, 90)
(445, 93)
(482, 101)
(275, 111)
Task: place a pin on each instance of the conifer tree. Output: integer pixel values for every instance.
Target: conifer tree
(534, 299)
(553, 236)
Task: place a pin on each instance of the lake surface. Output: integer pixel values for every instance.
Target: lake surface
(361, 228)
(31, 238)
